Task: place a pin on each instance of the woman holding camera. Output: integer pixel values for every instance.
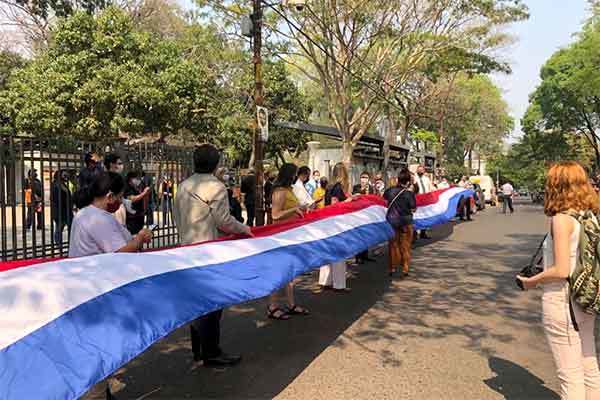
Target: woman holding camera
(569, 330)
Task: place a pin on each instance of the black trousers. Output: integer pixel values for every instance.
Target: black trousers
(464, 208)
(508, 202)
(31, 211)
(250, 211)
(206, 335)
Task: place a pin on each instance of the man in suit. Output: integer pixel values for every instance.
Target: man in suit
(364, 187)
(201, 214)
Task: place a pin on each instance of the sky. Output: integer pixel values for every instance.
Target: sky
(551, 26)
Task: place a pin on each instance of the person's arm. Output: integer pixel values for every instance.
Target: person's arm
(139, 197)
(302, 195)
(278, 202)
(562, 229)
(413, 202)
(135, 244)
(219, 207)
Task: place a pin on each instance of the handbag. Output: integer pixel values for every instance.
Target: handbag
(392, 216)
(533, 268)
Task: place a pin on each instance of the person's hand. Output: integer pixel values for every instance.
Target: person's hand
(299, 212)
(145, 235)
(528, 283)
(146, 191)
(303, 208)
(248, 231)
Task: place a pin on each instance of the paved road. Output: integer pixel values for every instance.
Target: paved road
(457, 328)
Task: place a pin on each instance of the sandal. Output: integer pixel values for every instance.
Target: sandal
(297, 310)
(277, 314)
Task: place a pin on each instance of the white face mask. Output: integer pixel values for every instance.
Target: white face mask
(119, 169)
(226, 178)
(136, 182)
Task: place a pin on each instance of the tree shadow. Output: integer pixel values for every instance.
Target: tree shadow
(517, 383)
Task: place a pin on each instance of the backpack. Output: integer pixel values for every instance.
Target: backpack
(584, 282)
(392, 216)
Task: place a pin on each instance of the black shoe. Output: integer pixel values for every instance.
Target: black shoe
(224, 360)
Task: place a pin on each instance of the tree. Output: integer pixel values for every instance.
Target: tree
(569, 94)
(103, 78)
(472, 117)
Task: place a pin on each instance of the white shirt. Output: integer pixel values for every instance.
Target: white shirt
(424, 184)
(507, 189)
(96, 231)
(443, 185)
(304, 198)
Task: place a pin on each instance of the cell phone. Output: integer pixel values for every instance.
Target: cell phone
(153, 227)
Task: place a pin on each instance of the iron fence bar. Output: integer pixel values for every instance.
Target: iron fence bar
(13, 187)
(3, 165)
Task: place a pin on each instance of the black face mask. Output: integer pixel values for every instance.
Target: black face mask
(420, 173)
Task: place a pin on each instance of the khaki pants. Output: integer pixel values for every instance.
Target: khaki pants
(574, 352)
(400, 248)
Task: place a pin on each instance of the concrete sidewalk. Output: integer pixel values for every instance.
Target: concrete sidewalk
(457, 328)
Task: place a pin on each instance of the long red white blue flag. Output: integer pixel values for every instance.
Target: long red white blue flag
(67, 324)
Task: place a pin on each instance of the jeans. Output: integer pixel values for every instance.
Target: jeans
(508, 202)
(206, 334)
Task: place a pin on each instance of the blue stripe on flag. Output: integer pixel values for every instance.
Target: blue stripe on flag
(65, 358)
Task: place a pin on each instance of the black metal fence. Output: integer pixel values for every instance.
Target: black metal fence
(29, 226)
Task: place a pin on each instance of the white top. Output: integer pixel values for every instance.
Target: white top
(424, 184)
(548, 251)
(507, 189)
(443, 185)
(304, 198)
(96, 231)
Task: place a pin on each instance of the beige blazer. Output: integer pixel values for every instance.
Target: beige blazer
(201, 210)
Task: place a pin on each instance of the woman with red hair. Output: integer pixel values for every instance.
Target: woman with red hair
(568, 190)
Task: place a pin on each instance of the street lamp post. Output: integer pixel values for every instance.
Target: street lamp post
(257, 17)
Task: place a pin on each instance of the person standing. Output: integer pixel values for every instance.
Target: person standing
(167, 200)
(313, 184)
(402, 204)
(33, 201)
(379, 184)
(299, 188)
(269, 179)
(508, 193)
(424, 184)
(114, 163)
(96, 231)
(249, 192)
(285, 208)
(319, 194)
(570, 331)
(334, 275)
(137, 196)
(201, 212)
(364, 188)
(61, 206)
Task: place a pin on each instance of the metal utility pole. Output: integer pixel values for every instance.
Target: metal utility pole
(257, 17)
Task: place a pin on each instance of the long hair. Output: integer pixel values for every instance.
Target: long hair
(340, 175)
(286, 176)
(568, 187)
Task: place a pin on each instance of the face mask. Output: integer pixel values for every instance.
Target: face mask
(119, 169)
(136, 182)
(316, 178)
(364, 181)
(226, 178)
(420, 173)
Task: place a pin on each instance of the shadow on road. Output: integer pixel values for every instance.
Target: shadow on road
(517, 383)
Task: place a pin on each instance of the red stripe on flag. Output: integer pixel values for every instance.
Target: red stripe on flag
(338, 209)
(427, 199)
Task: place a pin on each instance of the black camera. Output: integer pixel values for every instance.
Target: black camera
(533, 268)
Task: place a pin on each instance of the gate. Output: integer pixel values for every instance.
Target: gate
(28, 226)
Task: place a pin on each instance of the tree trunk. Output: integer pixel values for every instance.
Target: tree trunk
(470, 161)
(347, 153)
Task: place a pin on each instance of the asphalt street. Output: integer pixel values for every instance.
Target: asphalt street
(456, 328)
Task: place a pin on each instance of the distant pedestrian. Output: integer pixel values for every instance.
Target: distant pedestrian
(569, 330)
(33, 201)
(114, 163)
(61, 205)
(401, 204)
(167, 200)
(92, 167)
(508, 193)
(379, 183)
